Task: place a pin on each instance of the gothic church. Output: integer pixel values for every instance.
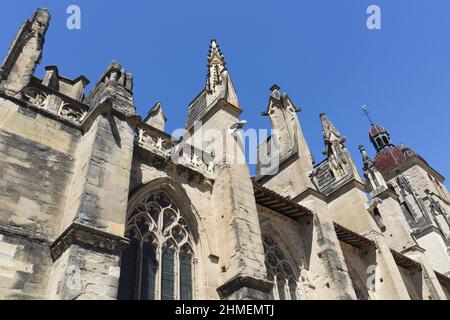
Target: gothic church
(94, 205)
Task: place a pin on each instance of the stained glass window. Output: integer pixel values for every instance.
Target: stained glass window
(149, 267)
(281, 288)
(160, 255)
(128, 271)
(293, 290)
(279, 270)
(185, 274)
(167, 279)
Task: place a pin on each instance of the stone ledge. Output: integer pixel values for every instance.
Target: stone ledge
(44, 112)
(309, 192)
(163, 163)
(84, 126)
(344, 188)
(26, 234)
(87, 236)
(240, 282)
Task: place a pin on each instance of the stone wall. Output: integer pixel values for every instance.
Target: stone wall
(36, 165)
(25, 266)
(36, 161)
(435, 250)
(85, 274)
(349, 208)
(446, 289)
(418, 177)
(413, 282)
(361, 263)
(397, 231)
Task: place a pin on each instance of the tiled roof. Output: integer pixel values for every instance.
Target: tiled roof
(352, 238)
(404, 261)
(278, 203)
(390, 157)
(443, 279)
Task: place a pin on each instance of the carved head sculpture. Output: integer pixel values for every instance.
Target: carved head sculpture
(40, 20)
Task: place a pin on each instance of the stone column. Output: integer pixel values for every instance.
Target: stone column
(241, 262)
(242, 267)
(388, 282)
(326, 263)
(431, 288)
(87, 254)
(348, 206)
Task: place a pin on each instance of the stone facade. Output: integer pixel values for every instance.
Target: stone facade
(97, 203)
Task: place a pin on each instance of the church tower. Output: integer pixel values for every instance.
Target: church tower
(385, 209)
(422, 196)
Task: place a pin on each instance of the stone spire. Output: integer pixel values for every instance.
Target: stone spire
(218, 81)
(287, 134)
(337, 154)
(375, 181)
(155, 117)
(331, 136)
(218, 89)
(366, 159)
(216, 66)
(284, 160)
(24, 54)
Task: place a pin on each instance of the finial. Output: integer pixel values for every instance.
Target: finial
(361, 148)
(216, 66)
(42, 14)
(363, 152)
(274, 88)
(214, 50)
(275, 93)
(366, 112)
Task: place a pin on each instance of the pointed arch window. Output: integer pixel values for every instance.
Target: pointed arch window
(279, 271)
(159, 262)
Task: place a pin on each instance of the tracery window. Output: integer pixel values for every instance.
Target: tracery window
(159, 262)
(279, 271)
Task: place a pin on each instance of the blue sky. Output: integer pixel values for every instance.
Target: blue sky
(318, 51)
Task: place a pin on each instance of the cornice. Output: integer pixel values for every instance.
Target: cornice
(84, 235)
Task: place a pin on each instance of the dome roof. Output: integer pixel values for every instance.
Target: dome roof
(376, 129)
(390, 157)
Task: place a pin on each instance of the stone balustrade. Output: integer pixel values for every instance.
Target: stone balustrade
(54, 102)
(169, 147)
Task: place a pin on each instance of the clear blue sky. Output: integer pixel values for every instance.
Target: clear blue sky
(319, 51)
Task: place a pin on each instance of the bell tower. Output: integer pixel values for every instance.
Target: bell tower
(418, 187)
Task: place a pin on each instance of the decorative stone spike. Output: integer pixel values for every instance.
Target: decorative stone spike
(24, 54)
(156, 117)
